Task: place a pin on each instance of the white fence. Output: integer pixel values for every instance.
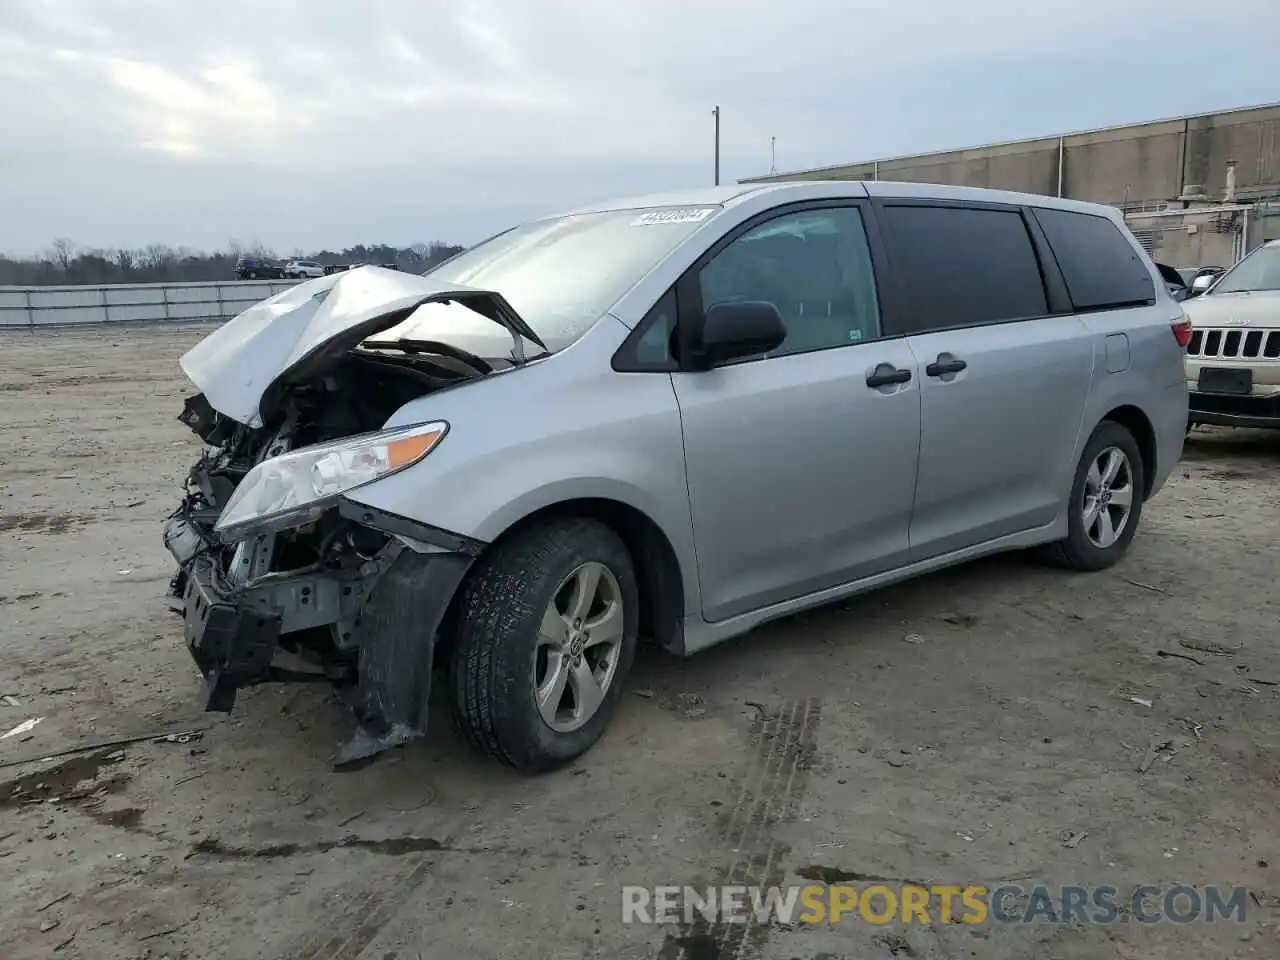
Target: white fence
(131, 302)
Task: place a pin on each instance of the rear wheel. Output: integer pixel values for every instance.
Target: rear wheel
(545, 636)
(1105, 504)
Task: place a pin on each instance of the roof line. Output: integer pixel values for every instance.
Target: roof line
(766, 177)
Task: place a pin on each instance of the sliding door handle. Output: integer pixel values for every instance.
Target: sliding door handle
(944, 365)
(886, 375)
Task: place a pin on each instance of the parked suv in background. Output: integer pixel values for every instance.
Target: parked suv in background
(1233, 360)
(303, 269)
(776, 396)
(252, 268)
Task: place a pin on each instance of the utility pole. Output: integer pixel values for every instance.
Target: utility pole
(773, 155)
(716, 113)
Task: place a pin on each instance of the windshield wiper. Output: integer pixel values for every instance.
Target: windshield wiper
(414, 347)
(418, 346)
(448, 351)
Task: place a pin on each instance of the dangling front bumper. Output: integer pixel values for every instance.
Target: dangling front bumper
(381, 618)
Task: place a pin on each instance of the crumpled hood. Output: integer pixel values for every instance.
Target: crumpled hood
(240, 362)
(1260, 309)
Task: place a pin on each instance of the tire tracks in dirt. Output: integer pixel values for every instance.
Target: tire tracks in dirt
(773, 780)
(771, 786)
(350, 930)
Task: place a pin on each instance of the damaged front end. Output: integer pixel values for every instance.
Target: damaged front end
(281, 577)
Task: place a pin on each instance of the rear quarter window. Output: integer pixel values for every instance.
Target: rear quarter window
(962, 266)
(1098, 262)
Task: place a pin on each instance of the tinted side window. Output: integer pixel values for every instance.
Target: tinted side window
(1098, 263)
(961, 266)
(814, 266)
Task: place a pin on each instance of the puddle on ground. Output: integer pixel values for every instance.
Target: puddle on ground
(41, 522)
(73, 781)
(830, 875)
(126, 818)
(392, 846)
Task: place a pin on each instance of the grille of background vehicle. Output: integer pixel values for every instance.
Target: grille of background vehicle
(1235, 344)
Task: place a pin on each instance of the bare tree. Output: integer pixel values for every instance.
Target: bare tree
(61, 253)
(125, 260)
(159, 260)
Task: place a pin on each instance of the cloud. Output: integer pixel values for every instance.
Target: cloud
(328, 122)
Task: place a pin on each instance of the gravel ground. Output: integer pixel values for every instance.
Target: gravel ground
(985, 724)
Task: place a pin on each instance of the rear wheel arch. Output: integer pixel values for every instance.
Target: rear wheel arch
(1139, 425)
(657, 566)
(1105, 504)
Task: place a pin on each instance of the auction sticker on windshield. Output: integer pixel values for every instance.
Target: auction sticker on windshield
(677, 215)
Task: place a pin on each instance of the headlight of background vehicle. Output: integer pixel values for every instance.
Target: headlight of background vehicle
(297, 487)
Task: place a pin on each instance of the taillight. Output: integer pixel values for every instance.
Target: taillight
(1182, 332)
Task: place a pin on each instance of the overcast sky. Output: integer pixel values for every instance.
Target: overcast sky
(325, 123)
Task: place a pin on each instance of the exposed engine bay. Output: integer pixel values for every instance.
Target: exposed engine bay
(357, 395)
(287, 605)
(282, 576)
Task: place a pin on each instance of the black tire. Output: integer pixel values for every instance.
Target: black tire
(495, 641)
(1077, 551)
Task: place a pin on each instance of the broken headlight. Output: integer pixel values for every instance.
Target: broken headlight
(297, 487)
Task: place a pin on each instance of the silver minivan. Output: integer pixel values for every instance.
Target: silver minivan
(673, 418)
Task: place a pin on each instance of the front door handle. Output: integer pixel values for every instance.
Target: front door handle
(886, 375)
(944, 365)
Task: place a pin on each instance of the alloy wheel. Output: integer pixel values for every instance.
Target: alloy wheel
(1108, 497)
(579, 643)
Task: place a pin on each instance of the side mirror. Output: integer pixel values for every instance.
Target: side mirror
(735, 331)
(1202, 283)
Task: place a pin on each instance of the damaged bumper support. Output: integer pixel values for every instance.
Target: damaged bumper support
(377, 621)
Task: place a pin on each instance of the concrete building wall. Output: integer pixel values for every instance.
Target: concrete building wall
(1201, 237)
(1141, 163)
(1205, 235)
(1124, 166)
(1030, 167)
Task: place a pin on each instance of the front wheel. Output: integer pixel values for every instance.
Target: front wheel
(546, 632)
(1105, 504)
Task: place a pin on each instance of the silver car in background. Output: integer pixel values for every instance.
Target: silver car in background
(673, 418)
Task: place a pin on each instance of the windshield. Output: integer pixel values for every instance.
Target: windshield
(1260, 270)
(560, 275)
